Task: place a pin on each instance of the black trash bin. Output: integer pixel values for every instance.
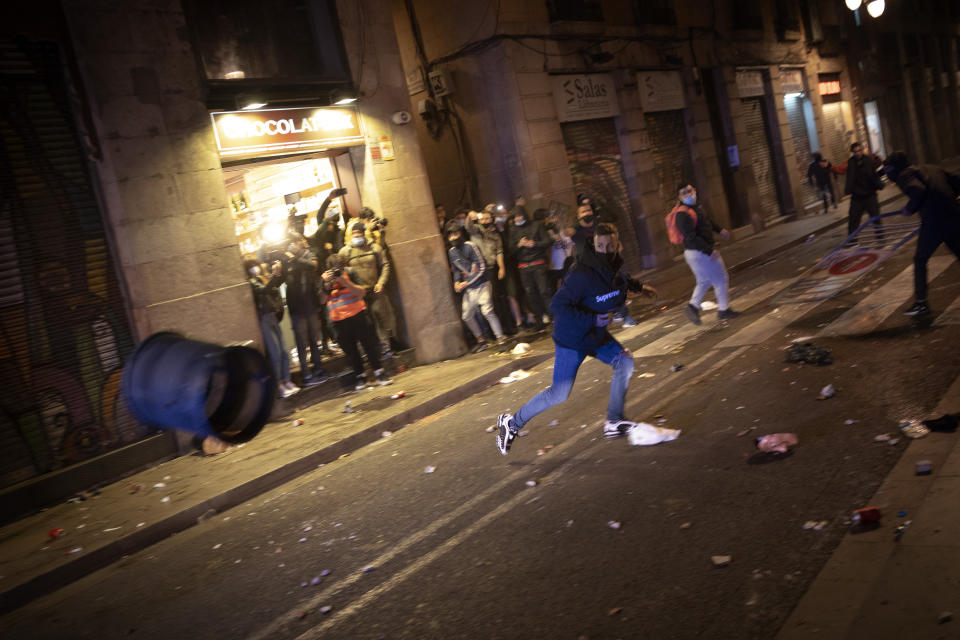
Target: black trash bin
(173, 382)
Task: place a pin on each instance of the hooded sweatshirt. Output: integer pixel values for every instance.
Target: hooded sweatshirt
(533, 230)
(592, 286)
(931, 190)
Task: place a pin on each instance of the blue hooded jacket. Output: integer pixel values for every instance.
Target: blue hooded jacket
(591, 287)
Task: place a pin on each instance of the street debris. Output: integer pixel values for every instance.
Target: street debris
(553, 423)
(923, 467)
(217, 546)
(347, 408)
(646, 374)
(523, 433)
(315, 581)
(519, 374)
(159, 485)
(74, 550)
(776, 442)
(325, 609)
(686, 525)
(614, 611)
(643, 434)
(53, 534)
(209, 513)
(398, 395)
(491, 429)
(165, 499)
(430, 469)
(325, 573)
(893, 441)
(676, 367)
(882, 437)
(540, 452)
(902, 513)
(913, 429)
(945, 617)
(866, 515)
(521, 348)
(302, 540)
(900, 530)
(531, 483)
(816, 525)
(720, 561)
(827, 392)
(136, 488)
(613, 524)
(809, 353)
(848, 422)
(386, 434)
(744, 432)
(111, 529)
(298, 422)
(369, 569)
(946, 423)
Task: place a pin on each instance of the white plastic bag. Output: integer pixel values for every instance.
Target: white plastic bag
(646, 434)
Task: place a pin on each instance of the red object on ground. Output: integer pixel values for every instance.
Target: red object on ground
(867, 515)
(398, 395)
(55, 533)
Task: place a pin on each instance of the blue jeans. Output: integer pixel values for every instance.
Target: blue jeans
(565, 365)
(276, 351)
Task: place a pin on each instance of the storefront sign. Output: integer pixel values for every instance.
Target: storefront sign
(749, 83)
(585, 96)
(829, 87)
(792, 80)
(285, 130)
(660, 90)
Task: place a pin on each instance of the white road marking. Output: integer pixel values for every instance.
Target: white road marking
(774, 322)
(873, 310)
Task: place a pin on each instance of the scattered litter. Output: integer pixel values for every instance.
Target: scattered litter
(521, 348)
(491, 429)
(315, 581)
(741, 408)
(827, 392)
(531, 483)
(820, 525)
(676, 367)
(776, 442)
(298, 422)
(301, 540)
(347, 408)
(882, 437)
(900, 530)
(386, 434)
(913, 429)
(111, 529)
(583, 426)
(523, 433)
(140, 524)
(613, 524)
(720, 561)
(398, 395)
(53, 534)
(136, 488)
(686, 525)
(866, 515)
(946, 423)
(902, 513)
(430, 469)
(644, 434)
(923, 467)
(74, 550)
(540, 452)
(325, 609)
(217, 546)
(209, 513)
(849, 422)
(945, 617)
(369, 569)
(159, 485)
(553, 423)
(893, 441)
(165, 499)
(325, 573)
(740, 434)
(646, 374)
(519, 374)
(809, 353)
(809, 524)
(614, 611)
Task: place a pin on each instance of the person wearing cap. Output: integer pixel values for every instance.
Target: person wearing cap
(933, 193)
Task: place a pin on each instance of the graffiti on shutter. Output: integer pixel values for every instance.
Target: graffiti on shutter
(763, 167)
(801, 147)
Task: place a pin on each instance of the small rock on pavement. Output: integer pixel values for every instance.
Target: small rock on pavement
(613, 524)
(923, 467)
(531, 483)
(721, 561)
(326, 609)
(827, 392)
(676, 367)
(429, 469)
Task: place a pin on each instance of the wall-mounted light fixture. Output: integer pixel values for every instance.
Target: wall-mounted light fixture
(249, 101)
(341, 97)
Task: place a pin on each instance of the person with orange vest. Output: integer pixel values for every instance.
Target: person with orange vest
(351, 321)
(697, 229)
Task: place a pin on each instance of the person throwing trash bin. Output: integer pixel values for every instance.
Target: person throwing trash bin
(582, 308)
(688, 224)
(933, 192)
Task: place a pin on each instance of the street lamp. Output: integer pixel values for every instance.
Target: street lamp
(875, 8)
(853, 5)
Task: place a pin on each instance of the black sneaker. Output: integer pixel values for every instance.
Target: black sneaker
(727, 314)
(616, 429)
(481, 346)
(693, 314)
(918, 309)
(505, 433)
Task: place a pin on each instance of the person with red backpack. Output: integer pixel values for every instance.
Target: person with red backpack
(689, 225)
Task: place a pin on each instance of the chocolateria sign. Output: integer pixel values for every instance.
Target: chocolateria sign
(285, 130)
(585, 96)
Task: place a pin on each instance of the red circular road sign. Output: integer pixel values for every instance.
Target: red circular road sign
(853, 263)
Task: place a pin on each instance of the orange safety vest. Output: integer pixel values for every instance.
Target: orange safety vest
(344, 304)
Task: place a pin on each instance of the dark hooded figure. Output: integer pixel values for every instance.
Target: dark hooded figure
(582, 309)
(933, 193)
(529, 243)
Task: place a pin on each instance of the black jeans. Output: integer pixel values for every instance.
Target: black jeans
(933, 232)
(305, 331)
(501, 305)
(860, 205)
(534, 280)
(355, 331)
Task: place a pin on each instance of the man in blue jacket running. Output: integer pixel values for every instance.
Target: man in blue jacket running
(591, 290)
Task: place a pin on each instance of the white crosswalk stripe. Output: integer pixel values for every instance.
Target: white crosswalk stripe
(688, 331)
(872, 311)
(950, 315)
(770, 324)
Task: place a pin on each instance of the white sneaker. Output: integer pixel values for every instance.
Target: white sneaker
(287, 389)
(381, 378)
(616, 428)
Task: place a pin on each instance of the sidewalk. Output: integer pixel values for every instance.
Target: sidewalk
(130, 515)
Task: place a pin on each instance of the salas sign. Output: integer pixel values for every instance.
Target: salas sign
(285, 130)
(585, 96)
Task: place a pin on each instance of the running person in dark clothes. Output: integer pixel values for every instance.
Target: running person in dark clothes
(582, 308)
(933, 192)
(862, 185)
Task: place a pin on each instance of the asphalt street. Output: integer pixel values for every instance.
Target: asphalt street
(431, 533)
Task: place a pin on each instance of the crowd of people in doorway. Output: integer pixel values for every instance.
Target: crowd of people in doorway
(335, 285)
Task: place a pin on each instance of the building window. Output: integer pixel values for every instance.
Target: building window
(655, 12)
(747, 15)
(786, 16)
(250, 40)
(575, 10)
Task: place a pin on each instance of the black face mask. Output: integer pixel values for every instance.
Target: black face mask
(550, 225)
(486, 225)
(587, 221)
(458, 242)
(612, 260)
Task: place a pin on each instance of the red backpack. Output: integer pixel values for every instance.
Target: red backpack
(672, 232)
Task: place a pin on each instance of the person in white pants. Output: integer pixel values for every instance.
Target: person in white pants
(705, 261)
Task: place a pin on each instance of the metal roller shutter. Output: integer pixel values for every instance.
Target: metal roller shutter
(670, 153)
(801, 146)
(835, 147)
(593, 152)
(64, 327)
(763, 166)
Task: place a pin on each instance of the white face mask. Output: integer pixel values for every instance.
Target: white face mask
(254, 271)
(689, 200)
(357, 242)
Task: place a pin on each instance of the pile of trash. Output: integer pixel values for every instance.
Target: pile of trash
(809, 353)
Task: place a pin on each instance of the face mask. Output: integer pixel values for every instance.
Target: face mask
(501, 220)
(254, 271)
(689, 200)
(486, 225)
(458, 242)
(357, 242)
(520, 222)
(587, 220)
